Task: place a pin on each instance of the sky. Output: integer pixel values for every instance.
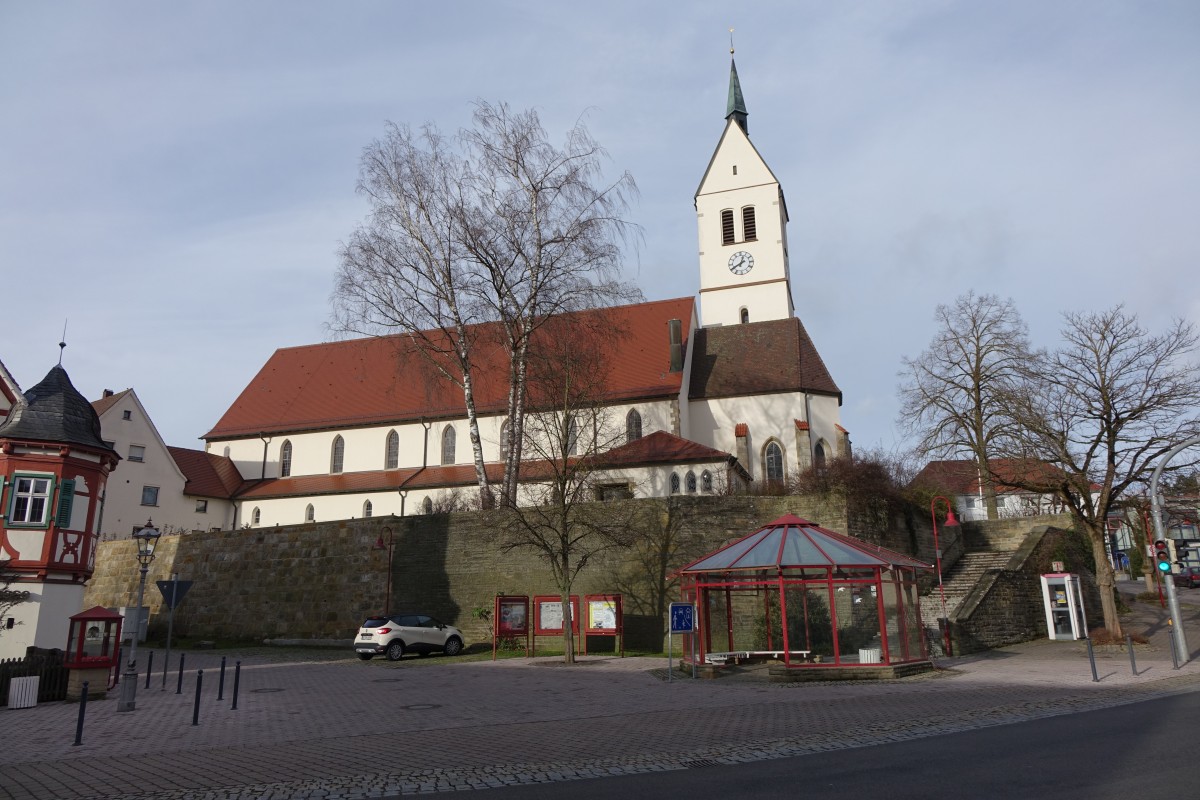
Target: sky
(176, 178)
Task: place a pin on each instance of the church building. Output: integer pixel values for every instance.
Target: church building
(720, 395)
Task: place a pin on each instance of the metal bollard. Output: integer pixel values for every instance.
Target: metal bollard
(237, 678)
(179, 685)
(196, 707)
(1092, 658)
(82, 708)
(1132, 661)
(149, 667)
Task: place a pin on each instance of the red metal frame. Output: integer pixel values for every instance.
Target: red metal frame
(506, 623)
(591, 630)
(541, 630)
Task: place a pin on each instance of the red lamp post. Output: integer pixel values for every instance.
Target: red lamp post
(937, 549)
(379, 545)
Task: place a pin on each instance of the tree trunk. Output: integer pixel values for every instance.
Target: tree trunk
(1105, 582)
(485, 492)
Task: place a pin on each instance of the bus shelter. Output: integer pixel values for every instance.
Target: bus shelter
(806, 597)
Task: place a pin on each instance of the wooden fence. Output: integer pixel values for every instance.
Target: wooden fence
(46, 664)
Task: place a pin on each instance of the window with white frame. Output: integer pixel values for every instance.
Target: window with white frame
(448, 445)
(256, 515)
(689, 482)
(137, 452)
(504, 443)
(310, 513)
(572, 437)
(367, 508)
(201, 506)
(30, 499)
(149, 495)
(127, 414)
(285, 459)
(674, 483)
(391, 451)
(706, 482)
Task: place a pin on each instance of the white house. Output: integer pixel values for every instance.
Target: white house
(173, 486)
(738, 391)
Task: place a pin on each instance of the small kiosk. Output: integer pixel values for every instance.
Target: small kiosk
(93, 652)
(511, 614)
(1065, 618)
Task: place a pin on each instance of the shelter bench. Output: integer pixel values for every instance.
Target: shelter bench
(738, 656)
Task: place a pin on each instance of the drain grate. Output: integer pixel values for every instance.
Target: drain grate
(265, 691)
(700, 762)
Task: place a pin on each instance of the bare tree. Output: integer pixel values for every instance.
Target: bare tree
(1093, 418)
(497, 225)
(950, 394)
(569, 425)
(546, 230)
(9, 597)
(404, 269)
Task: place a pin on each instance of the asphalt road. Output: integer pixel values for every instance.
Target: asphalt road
(1131, 751)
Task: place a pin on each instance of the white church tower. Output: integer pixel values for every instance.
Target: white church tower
(742, 220)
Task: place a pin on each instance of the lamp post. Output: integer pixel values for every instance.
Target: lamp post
(379, 545)
(937, 550)
(146, 540)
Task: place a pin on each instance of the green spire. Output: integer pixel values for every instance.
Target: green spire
(737, 105)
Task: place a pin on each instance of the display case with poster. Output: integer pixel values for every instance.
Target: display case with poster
(511, 617)
(604, 618)
(548, 621)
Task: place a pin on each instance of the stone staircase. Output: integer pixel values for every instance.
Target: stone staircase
(957, 583)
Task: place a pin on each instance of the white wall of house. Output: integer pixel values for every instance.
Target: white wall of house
(770, 417)
(43, 620)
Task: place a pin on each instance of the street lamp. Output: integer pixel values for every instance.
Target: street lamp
(937, 550)
(146, 540)
(379, 545)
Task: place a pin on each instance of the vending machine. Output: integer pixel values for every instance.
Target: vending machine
(1065, 618)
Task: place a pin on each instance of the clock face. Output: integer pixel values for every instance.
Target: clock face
(741, 262)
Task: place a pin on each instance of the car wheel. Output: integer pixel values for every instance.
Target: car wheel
(395, 650)
(453, 646)
(365, 656)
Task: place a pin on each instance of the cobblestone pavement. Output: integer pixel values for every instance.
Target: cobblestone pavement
(348, 729)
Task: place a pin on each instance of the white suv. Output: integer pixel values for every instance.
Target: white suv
(397, 634)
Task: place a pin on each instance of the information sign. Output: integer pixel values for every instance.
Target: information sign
(683, 618)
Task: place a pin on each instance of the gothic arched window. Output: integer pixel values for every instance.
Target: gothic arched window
(674, 483)
(633, 425)
(819, 456)
(448, 445)
(310, 514)
(745, 315)
(706, 482)
(256, 516)
(690, 482)
(427, 505)
(572, 437)
(367, 508)
(285, 459)
(504, 443)
(391, 451)
(337, 455)
(773, 463)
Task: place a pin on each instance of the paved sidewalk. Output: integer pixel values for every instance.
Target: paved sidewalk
(348, 729)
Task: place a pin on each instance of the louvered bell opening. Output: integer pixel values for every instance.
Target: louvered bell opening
(727, 227)
(748, 226)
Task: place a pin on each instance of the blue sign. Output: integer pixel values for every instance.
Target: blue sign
(683, 618)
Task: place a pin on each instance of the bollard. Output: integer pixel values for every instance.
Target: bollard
(179, 686)
(196, 708)
(221, 681)
(1174, 655)
(237, 677)
(149, 667)
(1092, 658)
(1132, 661)
(79, 724)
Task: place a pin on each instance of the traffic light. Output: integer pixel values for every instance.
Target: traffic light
(1162, 555)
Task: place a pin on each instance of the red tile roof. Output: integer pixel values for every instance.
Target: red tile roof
(962, 476)
(385, 380)
(660, 447)
(207, 475)
(801, 425)
(758, 358)
(105, 403)
(741, 429)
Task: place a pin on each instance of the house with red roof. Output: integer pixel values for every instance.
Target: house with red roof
(964, 483)
(708, 396)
